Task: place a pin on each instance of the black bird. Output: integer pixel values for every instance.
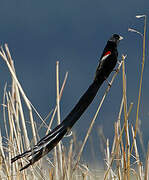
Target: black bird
(106, 65)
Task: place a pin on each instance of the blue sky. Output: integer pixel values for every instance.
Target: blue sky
(39, 33)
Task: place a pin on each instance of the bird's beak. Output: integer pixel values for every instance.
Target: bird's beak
(121, 38)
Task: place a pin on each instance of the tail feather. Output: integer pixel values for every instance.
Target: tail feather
(45, 145)
(25, 154)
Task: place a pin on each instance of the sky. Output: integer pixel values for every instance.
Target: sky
(39, 33)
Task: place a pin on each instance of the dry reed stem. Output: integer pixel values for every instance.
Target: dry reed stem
(4, 111)
(125, 105)
(57, 92)
(16, 102)
(3, 55)
(140, 87)
(137, 155)
(22, 92)
(55, 110)
(20, 109)
(118, 155)
(120, 137)
(127, 146)
(70, 154)
(28, 103)
(59, 153)
(108, 157)
(146, 174)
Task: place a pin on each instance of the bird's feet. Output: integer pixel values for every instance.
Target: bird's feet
(116, 70)
(109, 84)
(118, 62)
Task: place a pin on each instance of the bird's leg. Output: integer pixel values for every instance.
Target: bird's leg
(117, 70)
(109, 84)
(118, 62)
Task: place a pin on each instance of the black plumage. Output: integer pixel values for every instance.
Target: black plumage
(106, 65)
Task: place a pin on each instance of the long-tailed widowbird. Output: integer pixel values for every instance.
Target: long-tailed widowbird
(106, 65)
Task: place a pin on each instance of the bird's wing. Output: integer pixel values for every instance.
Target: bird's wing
(105, 56)
(102, 61)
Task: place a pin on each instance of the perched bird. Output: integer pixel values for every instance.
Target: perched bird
(106, 65)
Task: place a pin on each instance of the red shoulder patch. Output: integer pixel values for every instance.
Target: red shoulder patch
(107, 53)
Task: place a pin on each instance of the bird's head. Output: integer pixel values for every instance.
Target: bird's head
(115, 38)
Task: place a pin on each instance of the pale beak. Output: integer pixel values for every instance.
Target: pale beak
(121, 38)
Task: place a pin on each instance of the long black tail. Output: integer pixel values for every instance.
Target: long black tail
(48, 142)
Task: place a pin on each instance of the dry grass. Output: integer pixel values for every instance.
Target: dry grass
(122, 161)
